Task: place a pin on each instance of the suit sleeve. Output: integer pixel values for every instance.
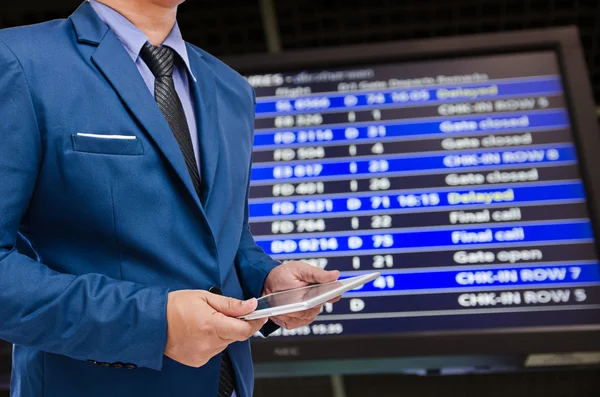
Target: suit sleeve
(86, 317)
(253, 264)
(251, 261)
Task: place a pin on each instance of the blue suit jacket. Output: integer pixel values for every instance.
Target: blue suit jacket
(114, 224)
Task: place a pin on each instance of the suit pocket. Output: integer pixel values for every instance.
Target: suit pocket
(125, 145)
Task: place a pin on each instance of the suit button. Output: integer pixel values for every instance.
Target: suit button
(106, 365)
(117, 365)
(130, 366)
(92, 362)
(215, 290)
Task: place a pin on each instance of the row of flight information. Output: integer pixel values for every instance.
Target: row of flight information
(457, 179)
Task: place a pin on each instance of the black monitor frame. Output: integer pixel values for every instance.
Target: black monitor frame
(514, 341)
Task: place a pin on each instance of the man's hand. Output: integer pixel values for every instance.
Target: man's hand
(201, 325)
(295, 275)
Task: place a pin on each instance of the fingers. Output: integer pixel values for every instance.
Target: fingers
(290, 322)
(256, 325)
(280, 322)
(232, 329)
(226, 325)
(336, 299)
(314, 275)
(223, 335)
(229, 306)
(309, 314)
(298, 319)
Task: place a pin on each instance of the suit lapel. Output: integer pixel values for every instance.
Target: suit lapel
(116, 65)
(207, 114)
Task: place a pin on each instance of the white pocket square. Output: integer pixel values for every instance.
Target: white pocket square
(131, 137)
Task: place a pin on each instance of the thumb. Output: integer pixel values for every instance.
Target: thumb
(314, 275)
(229, 306)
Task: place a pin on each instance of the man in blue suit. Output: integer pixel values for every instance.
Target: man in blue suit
(124, 169)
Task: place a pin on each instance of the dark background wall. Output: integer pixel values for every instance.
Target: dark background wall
(566, 383)
(235, 27)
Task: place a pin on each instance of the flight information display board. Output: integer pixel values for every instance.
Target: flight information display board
(457, 179)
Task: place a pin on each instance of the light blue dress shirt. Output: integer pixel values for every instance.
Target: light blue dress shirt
(133, 39)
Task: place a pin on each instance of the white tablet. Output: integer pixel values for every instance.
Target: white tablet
(300, 299)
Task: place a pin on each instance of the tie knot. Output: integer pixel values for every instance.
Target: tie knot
(160, 60)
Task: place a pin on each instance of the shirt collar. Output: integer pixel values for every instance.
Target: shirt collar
(133, 39)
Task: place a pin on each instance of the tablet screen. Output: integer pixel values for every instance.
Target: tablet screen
(296, 295)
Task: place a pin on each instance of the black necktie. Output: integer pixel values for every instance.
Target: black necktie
(161, 61)
(226, 379)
